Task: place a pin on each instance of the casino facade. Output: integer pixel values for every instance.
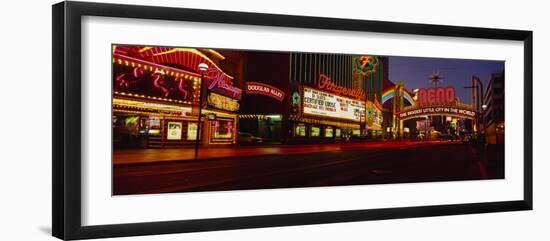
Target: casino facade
(312, 98)
(280, 97)
(156, 96)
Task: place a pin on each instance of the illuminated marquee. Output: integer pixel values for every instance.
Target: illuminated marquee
(321, 103)
(222, 102)
(436, 96)
(263, 89)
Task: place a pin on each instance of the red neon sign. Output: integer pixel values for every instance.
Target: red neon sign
(139, 81)
(263, 89)
(326, 83)
(217, 82)
(440, 95)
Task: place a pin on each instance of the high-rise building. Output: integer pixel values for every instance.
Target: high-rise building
(493, 114)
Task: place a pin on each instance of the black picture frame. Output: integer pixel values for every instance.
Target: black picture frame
(66, 47)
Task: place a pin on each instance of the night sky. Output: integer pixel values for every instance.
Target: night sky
(415, 72)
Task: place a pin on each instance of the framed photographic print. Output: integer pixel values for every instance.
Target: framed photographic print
(169, 120)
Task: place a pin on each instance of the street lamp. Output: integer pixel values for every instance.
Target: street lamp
(483, 109)
(202, 68)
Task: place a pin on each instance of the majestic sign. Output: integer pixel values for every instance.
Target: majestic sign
(321, 103)
(216, 82)
(263, 89)
(450, 111)
(440, 95)
(326, 83)
(222, 102)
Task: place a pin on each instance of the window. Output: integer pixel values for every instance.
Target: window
(338, 133)
(300, 130)
(174, 130)
(329, 132)
(222, 129)
(191, 131)
(315, 131)
(153, 123)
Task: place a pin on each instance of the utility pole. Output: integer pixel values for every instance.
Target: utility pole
(477, 86)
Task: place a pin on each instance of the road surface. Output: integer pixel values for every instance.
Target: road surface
(308, 166)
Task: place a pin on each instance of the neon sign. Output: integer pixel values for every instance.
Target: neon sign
(450, 111)
(440, 95)
(126, 81)
(157, 83)
(263, 89)
(216, 82)
(326, 83)
(365, 65)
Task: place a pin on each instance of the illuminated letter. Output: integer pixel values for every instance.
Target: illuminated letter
(422, 95)
(323, 80)
(440, 95)
(431, 95)
(450, 94)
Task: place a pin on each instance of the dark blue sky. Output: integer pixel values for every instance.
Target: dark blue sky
(415, 72)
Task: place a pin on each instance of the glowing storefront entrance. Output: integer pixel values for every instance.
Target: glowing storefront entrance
(144, 122)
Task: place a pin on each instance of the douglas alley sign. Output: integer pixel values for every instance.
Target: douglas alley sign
(264, 89)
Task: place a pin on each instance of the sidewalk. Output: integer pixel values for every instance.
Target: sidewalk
(143, 156)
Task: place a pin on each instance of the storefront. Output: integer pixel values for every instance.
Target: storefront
(151, 123)
(156, 105)
(221, 122)
(314, 130)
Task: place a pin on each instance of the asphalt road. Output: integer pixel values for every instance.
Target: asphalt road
(395, 163)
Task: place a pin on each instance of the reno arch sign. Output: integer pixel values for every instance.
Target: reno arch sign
(437, 101)
(442, 95)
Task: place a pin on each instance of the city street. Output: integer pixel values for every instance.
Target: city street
(285, 166)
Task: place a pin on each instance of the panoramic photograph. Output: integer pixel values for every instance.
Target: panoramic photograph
(187, 119)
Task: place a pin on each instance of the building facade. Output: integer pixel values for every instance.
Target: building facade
(276, 97)
(156, 96)
(493, 115)
(318, 97)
